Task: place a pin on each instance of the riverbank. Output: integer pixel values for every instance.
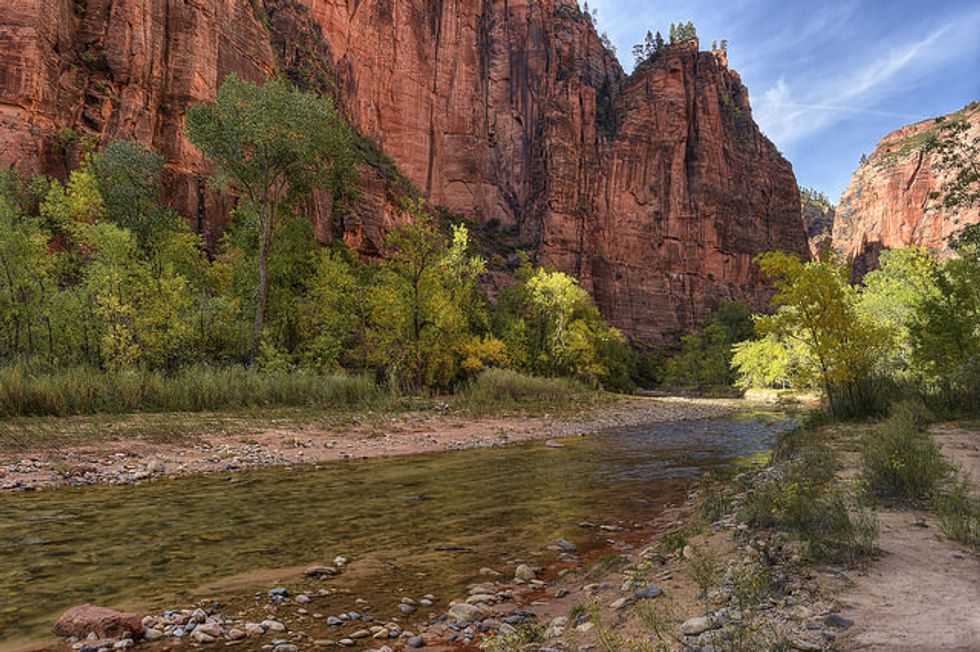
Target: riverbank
(46, 452)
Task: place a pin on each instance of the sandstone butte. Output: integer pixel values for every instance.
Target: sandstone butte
(889, 203)
(655, 189)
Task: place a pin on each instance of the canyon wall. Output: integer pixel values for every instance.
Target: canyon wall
(894, 200)
(655, 189)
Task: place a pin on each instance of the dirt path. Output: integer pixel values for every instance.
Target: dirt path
(125, 459)
(924, 593)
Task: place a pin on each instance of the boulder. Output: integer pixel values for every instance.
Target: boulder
(106, 623)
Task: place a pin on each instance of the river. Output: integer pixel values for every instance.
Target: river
(428, 520)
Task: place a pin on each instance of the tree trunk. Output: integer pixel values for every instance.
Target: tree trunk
(265, 229)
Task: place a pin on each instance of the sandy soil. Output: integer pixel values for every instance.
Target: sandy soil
(924, 593)
(125, 460)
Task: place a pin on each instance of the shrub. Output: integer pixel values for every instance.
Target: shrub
(800, 497)
(502, 386)
(959, 512)
(899, 459)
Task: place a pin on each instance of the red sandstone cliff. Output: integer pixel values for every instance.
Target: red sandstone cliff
(655, 189)
(890, 204)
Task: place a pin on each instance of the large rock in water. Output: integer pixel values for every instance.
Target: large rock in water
(890, 204)
(106, 623)
(655, 189)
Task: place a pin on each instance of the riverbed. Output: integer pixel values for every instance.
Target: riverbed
(420, 524)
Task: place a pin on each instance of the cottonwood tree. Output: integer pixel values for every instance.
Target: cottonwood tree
(425, 299)
(817, 308)
(272, 145)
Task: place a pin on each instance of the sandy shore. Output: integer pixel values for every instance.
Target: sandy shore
(124, 460)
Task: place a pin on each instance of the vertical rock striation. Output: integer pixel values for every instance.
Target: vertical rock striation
(655, 189)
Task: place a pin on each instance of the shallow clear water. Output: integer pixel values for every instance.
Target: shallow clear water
(164, 543)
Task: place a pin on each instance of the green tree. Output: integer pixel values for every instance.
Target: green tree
(272, 145)
(129, 176)
(945, 334)
(338, 315)
(817, 309)
(893, 296)
(424, 299)
(552, 327)
(27, 279)
(762, 363)
(705, 359)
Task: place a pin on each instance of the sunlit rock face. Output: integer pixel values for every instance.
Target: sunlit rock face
(656, 189)
(891, 200)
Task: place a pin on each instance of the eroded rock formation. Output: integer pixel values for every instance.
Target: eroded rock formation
(818, 218)
(891, 202)
(656, 189)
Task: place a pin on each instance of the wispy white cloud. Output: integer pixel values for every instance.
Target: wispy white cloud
(789, 113)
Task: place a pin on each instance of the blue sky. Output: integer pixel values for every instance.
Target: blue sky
(827, 79)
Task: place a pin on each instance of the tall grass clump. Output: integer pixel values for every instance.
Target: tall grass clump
(900, 459)
(494, 387)
(959, 512)
(85, 390)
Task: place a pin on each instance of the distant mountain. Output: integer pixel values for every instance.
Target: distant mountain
(818, 218)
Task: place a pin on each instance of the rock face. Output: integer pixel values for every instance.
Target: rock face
(818, 218)
(106, 623)
(655, 189)
(890, 204)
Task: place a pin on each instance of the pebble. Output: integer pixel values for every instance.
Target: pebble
(302, 598)
(524, 573)
(648, 592)
(361, 633)
(838, 621)
(695, 626)
(346, 642)
(200, 637)
(333, 621)
(425, 602)
(406, 609)
(286, 647)
(466, 613)
(273, 625)
(416, 642)
(479, 598)
(567, 546)
(152, 634)
(320, 571)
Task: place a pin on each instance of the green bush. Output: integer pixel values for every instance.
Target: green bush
(899, 459)
(85, 390)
